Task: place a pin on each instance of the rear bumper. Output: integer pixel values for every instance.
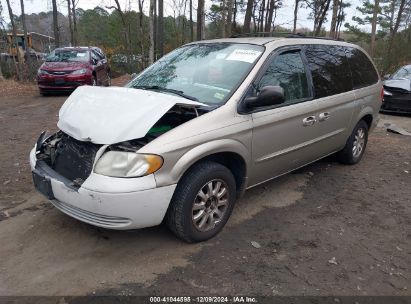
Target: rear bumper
(122, 205)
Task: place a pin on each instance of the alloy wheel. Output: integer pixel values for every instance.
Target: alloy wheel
(359, 142)
(210, 205)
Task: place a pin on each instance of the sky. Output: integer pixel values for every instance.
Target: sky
(284, 15)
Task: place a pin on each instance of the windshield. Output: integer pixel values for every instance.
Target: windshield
(68, 55)
(404, 72)
(204, 72)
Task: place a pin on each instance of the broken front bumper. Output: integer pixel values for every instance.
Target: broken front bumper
(108, 202)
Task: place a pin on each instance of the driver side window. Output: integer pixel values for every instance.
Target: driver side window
(287, 71)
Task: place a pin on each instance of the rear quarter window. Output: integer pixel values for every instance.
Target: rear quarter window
(329, 69)
(362, 70)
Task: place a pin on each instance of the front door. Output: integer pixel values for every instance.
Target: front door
(284, 137)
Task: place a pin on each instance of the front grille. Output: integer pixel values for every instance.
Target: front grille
(59, 72)
(74, 159)
(91, 217)
(61, 84)
(398, 101)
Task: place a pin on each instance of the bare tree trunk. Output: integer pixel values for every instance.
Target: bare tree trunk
(141, 31)
(267, 8)
(223, 18)
(200, 20)
(26, 40)
(322, 13)
(333, 28)
(126, 30)
(155, 28)
(70, 22)
(228, 24)
(184, 24)
(234, 27)
(374, 25)
(261, 27)
(270, 14)
(395, 28)
(248, 14)
(160, 30)
(55, 24)
(339, 19)
(296, 4)
(255, 25)
(151, 33)
(191, 22)
(13, 26)
(74, 17)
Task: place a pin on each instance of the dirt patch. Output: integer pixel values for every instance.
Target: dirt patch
(10, 88)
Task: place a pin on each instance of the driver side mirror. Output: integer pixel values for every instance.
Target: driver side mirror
(386, 76)
(268, 96)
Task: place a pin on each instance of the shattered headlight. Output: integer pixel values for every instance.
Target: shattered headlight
(127, 164)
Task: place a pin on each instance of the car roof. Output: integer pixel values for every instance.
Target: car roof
(79, 48)
(251, 40)
(268, 40)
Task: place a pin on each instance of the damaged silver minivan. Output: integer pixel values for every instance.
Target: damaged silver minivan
(186, 137)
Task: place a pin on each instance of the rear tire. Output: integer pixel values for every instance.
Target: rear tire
(355, 147)
(202, 203)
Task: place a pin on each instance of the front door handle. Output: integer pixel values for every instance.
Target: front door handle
(309, 121)
(323, 116)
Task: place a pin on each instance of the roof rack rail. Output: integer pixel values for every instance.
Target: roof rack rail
(283, 35)
(261, 34)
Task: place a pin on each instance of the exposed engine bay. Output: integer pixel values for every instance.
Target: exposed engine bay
(74, 159)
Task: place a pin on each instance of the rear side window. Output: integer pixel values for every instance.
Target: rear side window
(329, 69)
(287, 71)
(362, 70)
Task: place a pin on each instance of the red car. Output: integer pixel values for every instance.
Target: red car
(67, 68)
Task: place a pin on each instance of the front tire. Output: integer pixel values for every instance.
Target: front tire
(355, 147)
(202, 203)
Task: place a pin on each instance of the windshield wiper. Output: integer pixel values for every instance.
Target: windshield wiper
(158, 88)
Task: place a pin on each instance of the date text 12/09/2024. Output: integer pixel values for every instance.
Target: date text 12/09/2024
(203, 299)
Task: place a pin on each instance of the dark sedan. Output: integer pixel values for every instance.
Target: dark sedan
(397, 91)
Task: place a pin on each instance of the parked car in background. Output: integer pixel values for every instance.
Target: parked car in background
(67, 68)
(397, 91)
(186, 137)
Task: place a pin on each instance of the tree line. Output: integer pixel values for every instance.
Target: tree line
(133, 39)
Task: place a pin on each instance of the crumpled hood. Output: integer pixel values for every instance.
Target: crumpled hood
(404, 84)
(114, 114)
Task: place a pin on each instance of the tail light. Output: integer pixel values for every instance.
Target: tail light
(382, 94)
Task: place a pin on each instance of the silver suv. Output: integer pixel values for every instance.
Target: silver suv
(186, 137)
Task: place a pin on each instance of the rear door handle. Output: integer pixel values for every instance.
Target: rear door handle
(309, 121)
(324, 116)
